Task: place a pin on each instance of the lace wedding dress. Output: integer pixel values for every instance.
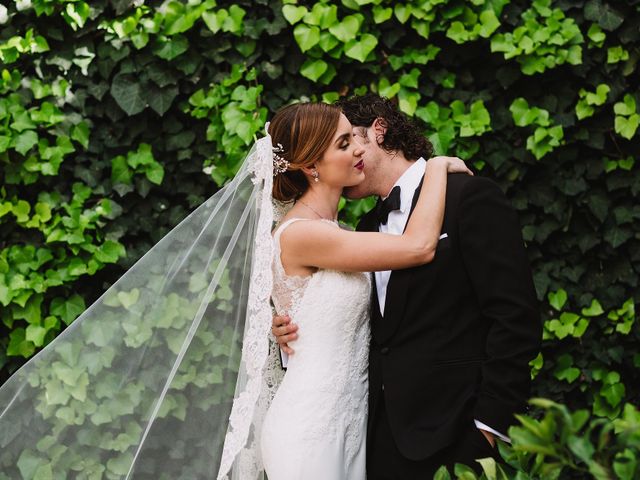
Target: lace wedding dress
(315, 427)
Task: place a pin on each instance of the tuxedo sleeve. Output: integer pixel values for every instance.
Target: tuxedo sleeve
(496, 261)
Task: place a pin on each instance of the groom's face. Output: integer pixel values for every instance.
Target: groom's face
(371, 158)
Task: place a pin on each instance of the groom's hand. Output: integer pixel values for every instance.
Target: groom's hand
(489, 436)
(285, 332)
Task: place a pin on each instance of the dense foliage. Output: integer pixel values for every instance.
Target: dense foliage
(564, 444)
(118, 117)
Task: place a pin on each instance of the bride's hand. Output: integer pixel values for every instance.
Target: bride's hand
(453, 164)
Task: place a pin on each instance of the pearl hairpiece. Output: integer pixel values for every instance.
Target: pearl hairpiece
(280, 164)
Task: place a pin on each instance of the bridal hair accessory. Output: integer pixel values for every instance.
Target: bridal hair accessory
(280, 164)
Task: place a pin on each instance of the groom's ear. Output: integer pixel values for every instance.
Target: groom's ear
(379, 127)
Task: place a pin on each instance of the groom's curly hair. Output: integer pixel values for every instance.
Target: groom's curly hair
(402, 133)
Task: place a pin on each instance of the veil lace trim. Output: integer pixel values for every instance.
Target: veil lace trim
(257, 379)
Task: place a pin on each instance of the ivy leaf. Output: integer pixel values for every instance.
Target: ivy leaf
(233, 23)
(19, 346)
(214, 20)
(322, 15)
(617, 54)
(616, 236)
(36, 334)
(5, 207)
(28, 463)
(627, 127)
(600, 95)
(627, 107)
(596, 35)
(360, 49)
(613, 393)
(80, 134)
(313, 69)
(160, 100)
(110, 251)
(154, 173)
(457, 32)
(25, 141)
(120, 171)
(171, 47)
(31, 311)
(403, 12)
(67, 309)
(119, 465)
(127, 299)
(557, 299)
(489, 23)
(306, 37)
(606, 16)
(565, 370)
(584, 110)
(5, 141)
(559, 328)
(348, 28)
(128, 92)
(624, 164)
(22, 121)
(594, 309)
(294, 14)
(408, 101)
(142, 156)
(381, 14)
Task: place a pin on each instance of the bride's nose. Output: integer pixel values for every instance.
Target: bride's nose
(358, 150)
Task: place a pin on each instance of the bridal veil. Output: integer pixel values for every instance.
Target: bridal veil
(169, 373)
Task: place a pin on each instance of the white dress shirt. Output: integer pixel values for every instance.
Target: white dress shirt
(395, 225)
(397, 219)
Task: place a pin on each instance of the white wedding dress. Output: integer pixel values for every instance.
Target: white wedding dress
(315, 428)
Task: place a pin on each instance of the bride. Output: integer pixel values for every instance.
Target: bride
(170, 374)
(316, 425)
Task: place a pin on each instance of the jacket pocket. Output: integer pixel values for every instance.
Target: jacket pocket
(443, 244)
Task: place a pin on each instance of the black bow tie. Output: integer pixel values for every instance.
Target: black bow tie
(389, 204)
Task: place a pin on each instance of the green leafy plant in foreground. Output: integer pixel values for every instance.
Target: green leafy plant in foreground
(562, 444)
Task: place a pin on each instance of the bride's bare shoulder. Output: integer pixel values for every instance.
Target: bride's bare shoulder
(306, 231)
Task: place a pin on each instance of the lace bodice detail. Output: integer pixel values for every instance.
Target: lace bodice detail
(285, 287)
(327, 375)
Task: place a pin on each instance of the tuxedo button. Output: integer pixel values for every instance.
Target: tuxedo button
(384, 350)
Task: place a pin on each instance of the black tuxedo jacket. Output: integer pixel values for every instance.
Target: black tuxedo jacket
(458, 333)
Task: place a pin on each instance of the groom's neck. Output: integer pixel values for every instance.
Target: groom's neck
(393, 170)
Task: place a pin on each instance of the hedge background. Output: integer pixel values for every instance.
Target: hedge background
(117, 118)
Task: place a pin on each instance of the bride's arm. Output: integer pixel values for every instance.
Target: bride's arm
(317, 244)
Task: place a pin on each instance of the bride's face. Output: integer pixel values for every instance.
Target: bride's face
(342, 164)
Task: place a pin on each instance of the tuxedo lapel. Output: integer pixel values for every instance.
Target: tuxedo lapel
(414, 201)
(369, 222)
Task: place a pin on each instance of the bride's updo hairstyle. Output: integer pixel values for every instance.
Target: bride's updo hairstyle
(305, 131)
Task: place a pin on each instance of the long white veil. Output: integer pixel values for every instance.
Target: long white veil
(166, 375)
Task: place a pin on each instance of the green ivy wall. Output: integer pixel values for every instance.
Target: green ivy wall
(118, 117)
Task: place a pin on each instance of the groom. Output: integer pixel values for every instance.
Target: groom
(451, 340)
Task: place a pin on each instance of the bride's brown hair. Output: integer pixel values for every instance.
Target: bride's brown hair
(305, 131)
